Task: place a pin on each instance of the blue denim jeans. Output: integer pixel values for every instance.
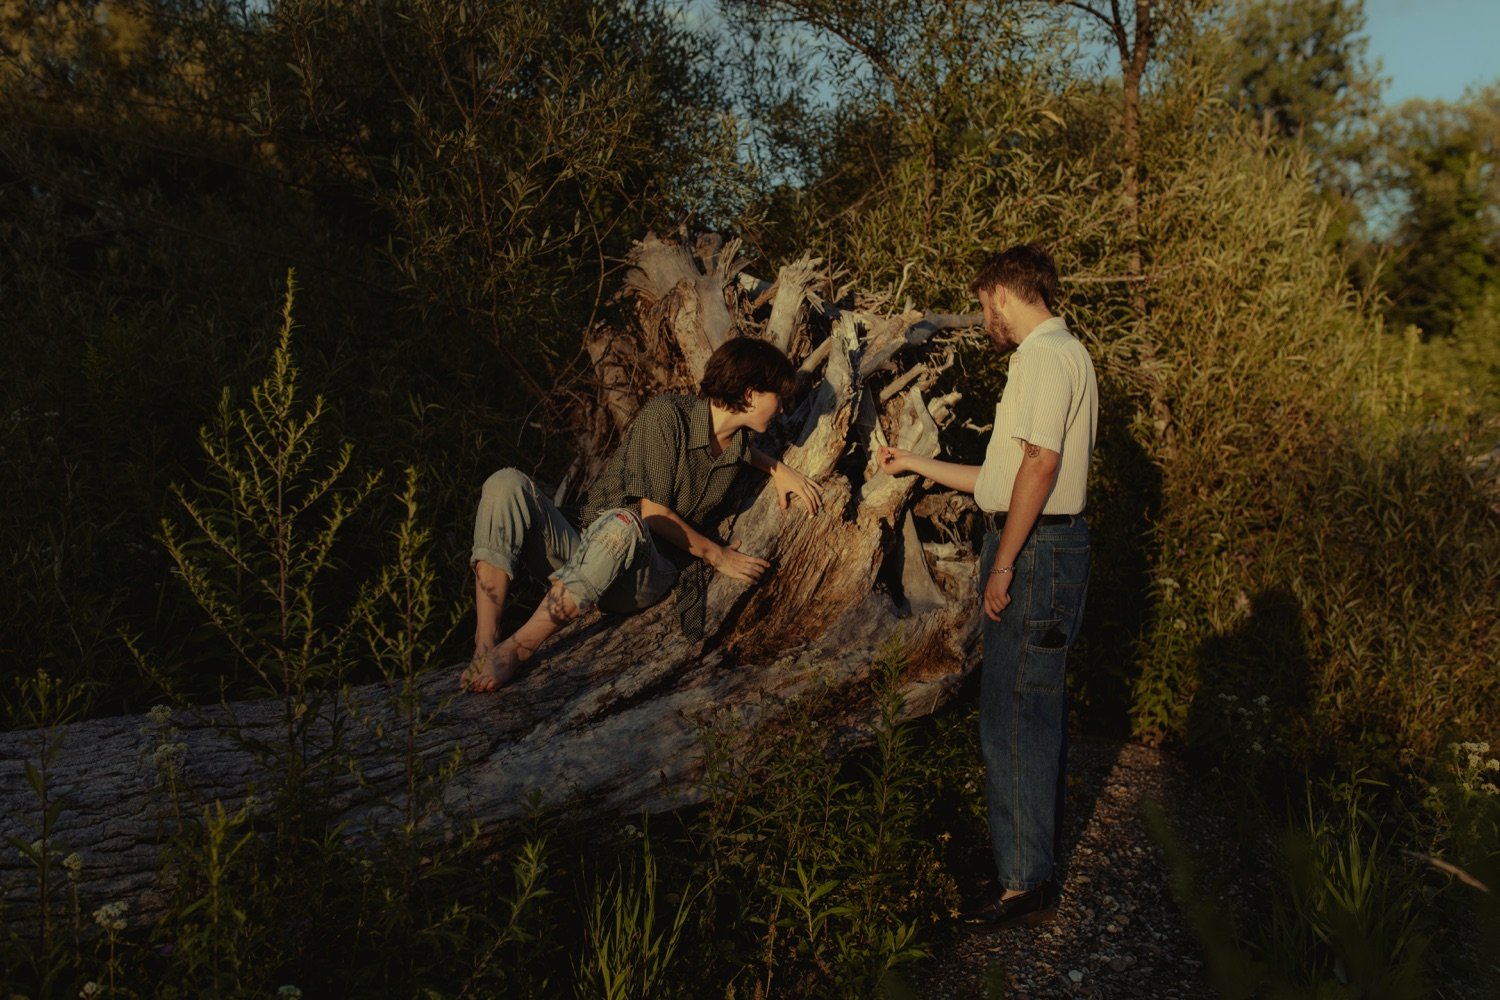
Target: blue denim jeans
(613, 563)
(1023, 706)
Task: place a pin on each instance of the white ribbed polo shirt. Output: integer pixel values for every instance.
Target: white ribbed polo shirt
(1051, 400)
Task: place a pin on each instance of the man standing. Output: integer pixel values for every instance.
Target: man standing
(1035, 570)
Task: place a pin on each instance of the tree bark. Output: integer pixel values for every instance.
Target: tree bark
(609, 718)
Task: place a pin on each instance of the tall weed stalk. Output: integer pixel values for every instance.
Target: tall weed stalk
(258, 557)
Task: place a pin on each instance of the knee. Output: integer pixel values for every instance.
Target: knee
(503, 485)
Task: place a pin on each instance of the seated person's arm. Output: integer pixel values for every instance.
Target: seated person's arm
(786, 479)
(727, 559)
(950, 474)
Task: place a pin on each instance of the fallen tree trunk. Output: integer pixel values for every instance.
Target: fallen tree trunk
(610, 719)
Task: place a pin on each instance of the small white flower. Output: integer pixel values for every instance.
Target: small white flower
(90, 989)
(111, 916)
(73, 863)
(160, 714)
(289, 992)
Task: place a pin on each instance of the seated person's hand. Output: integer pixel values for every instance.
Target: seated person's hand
(737, 565)
(788, 481)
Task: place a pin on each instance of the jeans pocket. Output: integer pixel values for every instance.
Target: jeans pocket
(1070, 584)
(1044, 658)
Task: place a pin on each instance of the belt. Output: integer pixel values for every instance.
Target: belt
(996, 520)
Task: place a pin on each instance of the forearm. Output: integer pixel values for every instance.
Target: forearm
(949, 474)
(760, 460)
(666, 524)
(1034, 481)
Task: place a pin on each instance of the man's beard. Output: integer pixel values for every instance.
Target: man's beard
(1002, 334)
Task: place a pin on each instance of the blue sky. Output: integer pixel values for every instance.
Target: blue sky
(1434, 49)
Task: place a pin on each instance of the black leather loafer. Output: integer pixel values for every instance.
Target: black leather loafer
(992, 913)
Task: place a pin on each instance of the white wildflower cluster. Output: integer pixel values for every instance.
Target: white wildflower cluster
(90, 989)
(1250, 718)
(289, 992)
(73, 863)
(631, 833)
(167, 753)
(111, 916)
(1474, 768)
(168, 757)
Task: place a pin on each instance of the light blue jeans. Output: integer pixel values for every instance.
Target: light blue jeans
(1023, 705)
(614, 563)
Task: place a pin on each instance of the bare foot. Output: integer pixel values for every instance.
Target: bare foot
(491, 669)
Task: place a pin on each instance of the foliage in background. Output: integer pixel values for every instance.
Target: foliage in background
(1296, 462)
(1439, 173)
(454, 184)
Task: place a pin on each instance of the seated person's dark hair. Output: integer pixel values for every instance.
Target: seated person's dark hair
(744, 365)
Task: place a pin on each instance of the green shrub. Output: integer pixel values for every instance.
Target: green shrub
(825, 869)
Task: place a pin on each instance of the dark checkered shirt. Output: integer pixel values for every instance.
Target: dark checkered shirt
(667, 457)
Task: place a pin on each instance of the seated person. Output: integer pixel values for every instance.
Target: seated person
(673, 467)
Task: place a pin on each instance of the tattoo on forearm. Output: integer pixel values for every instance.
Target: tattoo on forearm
(1033, 451)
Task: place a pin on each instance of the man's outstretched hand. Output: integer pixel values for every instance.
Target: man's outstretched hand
(893, 461)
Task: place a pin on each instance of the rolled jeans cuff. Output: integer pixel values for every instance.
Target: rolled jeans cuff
(500, 560)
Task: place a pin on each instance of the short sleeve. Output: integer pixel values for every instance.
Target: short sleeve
(1043, 389)
(650, 454)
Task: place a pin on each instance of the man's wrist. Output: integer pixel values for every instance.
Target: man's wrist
(1003, 569)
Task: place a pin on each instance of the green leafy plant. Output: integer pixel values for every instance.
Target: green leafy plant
(825, 868)
(629, 949)
(44, 705)
(260, 553)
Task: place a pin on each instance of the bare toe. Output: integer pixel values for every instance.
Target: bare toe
(490, 670)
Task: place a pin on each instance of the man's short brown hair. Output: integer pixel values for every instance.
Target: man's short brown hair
(744, 365)
(1025, 270)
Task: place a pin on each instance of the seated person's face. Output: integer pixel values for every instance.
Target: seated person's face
(762, 409)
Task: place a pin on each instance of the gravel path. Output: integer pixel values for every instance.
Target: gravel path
(1118, 932)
